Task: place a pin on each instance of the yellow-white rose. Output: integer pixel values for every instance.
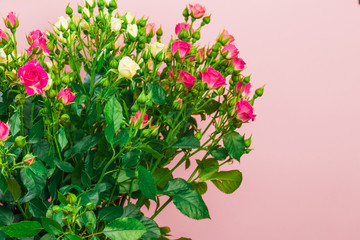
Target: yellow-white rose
(2, 56)
(91, 3)
(86, 13)
(157, 47)
(116, 24)
(107, 2)
(128, 67)
(76, 19)
(132, 29)
(84, 25)
(62, 22)
(129, 18)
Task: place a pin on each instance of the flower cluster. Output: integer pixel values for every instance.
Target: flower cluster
(94, 113)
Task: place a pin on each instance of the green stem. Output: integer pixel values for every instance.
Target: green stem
(161, 208)
(21, 210)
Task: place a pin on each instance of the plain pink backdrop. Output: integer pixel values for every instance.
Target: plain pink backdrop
(302, 181)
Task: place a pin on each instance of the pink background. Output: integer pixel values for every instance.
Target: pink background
(302, 181)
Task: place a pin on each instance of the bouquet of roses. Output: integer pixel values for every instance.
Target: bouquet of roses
(96, 115)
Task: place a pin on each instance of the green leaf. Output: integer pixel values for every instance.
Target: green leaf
(219, 153)
(234, 144)
(146, 183)
(48, 236)
(85, 179)
(100, 62)
(61, 136)
(36, 132)
(125, 228)
(72, 237)
(38, 168)
(14, 188)
(89, 218)
(130, 159)
(37, 208)
(158, 94)
(23, 229)
(131, 210)
(122, 137)
(228, 181)
(3, 183)
(113, 116)
(64, 166)
(32, 182)
(87, 81)
(15, 124)
(154, 153)
(86, 144)
(51, 226)
(162, 176)
(6, 216)
(3, 108)
(207, 167)
(110, 213)
(152, 227)
(211, 106)
(187, 142)
(187, 200)
(201, 187)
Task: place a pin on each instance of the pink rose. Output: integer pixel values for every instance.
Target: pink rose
(150, 29)
(37, 39)
(29, 161)
(213, 78)
(201, 55)
(137, 117)
(188, 79)
(66, 95)
(182, 47)
(197, 10)
(11, 21)
(33, 77)
(230, 51)
(225, 37)
(3, 36)
(244, 111)
(244, 89)
(4, 131)
(181, 26)
(238, 64)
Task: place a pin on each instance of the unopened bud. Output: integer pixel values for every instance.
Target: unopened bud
(196, 35)
(71, 198)
(20, 99)
(20, 141)
(248, 142)
(198, 135)
(69, 10)
(29, 159)
(142, 98)
(56, 209)
(159, 32)
(206, 20)
(90, 206)
(65, 118)
(259, 92)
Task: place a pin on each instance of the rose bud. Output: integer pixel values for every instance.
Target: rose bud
(29, 159)
(66, 95)
(244, 111)
(4, 131)
(11, 21)
(20, 141)
(197, 10)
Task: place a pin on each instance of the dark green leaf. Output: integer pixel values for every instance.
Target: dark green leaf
(113, 116)
(14, 188)
(131, 210)
(15, 124)
(64, 166)
(219, 153)
(2, 108)
(154, 153)
(6, 216)
(130, 159)
(201, 187)
(162, 176)
(36, 132)
(100, 62)
(86, 144)
(48, 236)
(152, 227)
(234, 144)
(72, 237)
(211, 106)
(110, 213)
(187, 142)
(87, 80)
(61, 136)
(23, 229)
(38, 168)
(122, 137)
(51, 226)
(89, 218)
(146, 183)
(3, 183)
(207, 167)
(228, 181)
(85, 179)
(158, 94)
(125, 228)
(37, 208)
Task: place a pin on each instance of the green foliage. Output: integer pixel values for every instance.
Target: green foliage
(234, 144)
(125, 228)
(23, 229)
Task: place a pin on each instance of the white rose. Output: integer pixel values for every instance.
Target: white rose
(107, 2)
(62, 22)
(86, 13)
(155, 48)
(48, 85)
(91, 3)
(84, 25)
(129, 18)
(76, 19)
(2, 56)
(132, 29)
(128, 67)
(116, 24)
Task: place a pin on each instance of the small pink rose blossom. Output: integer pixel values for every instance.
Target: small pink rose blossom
(197, 10)
(213, 78)
(225, 37)
(66, 95)
(244, 111)
(4, 131)
(182, 47)
(231, 51)
(244, 89)
(150, 28)
(33, 77)
(137, 117)
(188, 79)
(11, 21)
(200, 53)
(181, 26)
(37, 39)
(3, 36)
(238, 64)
